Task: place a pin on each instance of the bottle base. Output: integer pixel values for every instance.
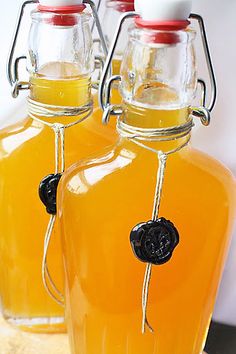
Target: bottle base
(38, 324)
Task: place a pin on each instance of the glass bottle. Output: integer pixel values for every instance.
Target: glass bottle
(60, 63)
(103, 198)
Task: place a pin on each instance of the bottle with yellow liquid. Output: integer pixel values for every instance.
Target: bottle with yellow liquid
(60, 63)
(146, 224)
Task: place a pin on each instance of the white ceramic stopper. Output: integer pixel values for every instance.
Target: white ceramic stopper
(59, 3)
(163, 10)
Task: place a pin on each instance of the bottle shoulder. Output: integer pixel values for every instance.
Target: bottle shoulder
(14, 136)
(120, 164)
(211, 166)
(15, 128)
(99, 162)
(212, 178)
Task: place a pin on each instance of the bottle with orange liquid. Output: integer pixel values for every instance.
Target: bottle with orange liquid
(60, 63)
(146, 224)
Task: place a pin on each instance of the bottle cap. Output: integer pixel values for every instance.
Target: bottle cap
(122, 5)
(60, 8)
(163, 10)
(60, 3)
(166, 16)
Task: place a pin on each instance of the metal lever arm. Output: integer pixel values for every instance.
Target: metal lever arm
(107, 66)
(98, 8)
(11, 72)
(98, 24)
(208, 61)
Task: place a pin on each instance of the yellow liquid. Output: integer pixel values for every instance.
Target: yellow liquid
(26, 156)
(100, 201)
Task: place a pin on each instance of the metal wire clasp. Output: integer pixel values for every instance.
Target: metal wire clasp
(203, 112)
(104, 93)
(13, 64)
(104, 90)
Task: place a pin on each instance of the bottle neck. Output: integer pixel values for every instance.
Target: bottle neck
(144, 119)
(72, 89)
(158, 81)
(55, 95)
(60, 74)
(148, 118)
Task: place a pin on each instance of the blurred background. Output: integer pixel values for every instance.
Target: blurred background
(217, 140)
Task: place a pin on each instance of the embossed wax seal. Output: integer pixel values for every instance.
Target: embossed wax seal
(48, 192)
(154, 241)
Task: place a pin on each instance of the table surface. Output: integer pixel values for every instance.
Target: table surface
(221, 340)
(14, 341)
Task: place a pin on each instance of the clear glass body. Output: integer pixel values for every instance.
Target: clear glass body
(72, 43)
(148, 60)
(59, 75)
(102, 198)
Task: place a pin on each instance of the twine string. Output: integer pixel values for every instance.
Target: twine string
(48, 282)
(37, 110)
(162, 158)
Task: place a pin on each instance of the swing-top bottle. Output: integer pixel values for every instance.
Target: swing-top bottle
(60, 63)
(146, 224)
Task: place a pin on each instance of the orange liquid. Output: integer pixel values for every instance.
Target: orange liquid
(26, 156)
(100, 201)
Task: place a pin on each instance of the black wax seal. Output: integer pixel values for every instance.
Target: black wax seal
(48, 192)
(154, 241)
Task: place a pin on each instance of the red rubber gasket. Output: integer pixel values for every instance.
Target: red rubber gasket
(59, 19)
(167, 34)
(162, 25)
